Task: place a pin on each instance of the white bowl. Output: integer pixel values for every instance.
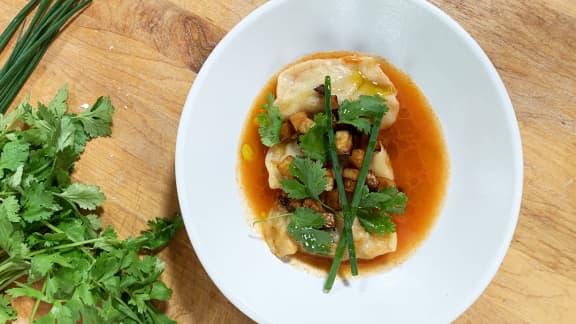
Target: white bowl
(472, 233)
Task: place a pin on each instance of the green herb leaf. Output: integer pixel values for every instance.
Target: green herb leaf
(269, 123)
(7, 313)
(309, 179)
(38, 203)
(58, 105)
(43, 263)
(86, 196)
(11, 207)
(161, 232)
(14, 154)
(96, 120)
(65, 131)
(388, 200)
(25, 290)
(359, 113)
(375, 208)
(376, 221)
(306, 217)
(159, 291)
(314, 142)
(304, 227)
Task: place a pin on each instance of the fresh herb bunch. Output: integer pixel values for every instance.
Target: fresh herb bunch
(33, 42)
(308, 178)
(52, 245)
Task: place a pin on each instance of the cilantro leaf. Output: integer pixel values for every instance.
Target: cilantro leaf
(388, 200)
(64, 135)
(15, 180)
(306, 217)
(376, 221)
(294, 188)
(7, 313)
(359, 112)
(14, 154)
(304, 227)
(375, 209)
(25, 290)
(269, 123)
(159, 291)
(43, 263)
(38, 203)
(96, 120)
(8, 119)
(58, 104)
(11, 208)
(309, 179)
(86, 196)
(314, 142)
(160, 232)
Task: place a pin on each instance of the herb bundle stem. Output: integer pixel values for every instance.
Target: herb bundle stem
(65, 246)
(38, 301)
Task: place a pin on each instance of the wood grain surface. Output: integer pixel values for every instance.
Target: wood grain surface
(145, 55)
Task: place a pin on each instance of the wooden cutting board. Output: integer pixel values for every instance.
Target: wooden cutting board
(145, 54)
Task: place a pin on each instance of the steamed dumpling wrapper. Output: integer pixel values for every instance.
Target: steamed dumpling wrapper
(351, 77)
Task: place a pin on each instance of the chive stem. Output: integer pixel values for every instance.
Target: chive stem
(365, 164)
(349, 211)
(346, 237)
(48, 21)
(15, 23)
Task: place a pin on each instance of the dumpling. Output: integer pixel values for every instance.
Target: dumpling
(275, 232)
(274, 156)
(351, 77)
(368, 246)
(381, 165)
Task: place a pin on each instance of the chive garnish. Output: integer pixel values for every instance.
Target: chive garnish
(349, 211)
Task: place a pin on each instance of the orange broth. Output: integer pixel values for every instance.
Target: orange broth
(417, 152)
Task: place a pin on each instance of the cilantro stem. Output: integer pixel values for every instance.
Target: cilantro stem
(10, 277)
(65, 246)
(38, 300)
(261, 220)
(57, 230)
(348, 216)
(326, 206)
(126, 310)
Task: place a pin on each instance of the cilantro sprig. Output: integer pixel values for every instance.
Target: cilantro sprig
(375, 209)
(52, 244)
(314, 143)
(269, 123)
(309, 179)
(360, 113)
(305, 227)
